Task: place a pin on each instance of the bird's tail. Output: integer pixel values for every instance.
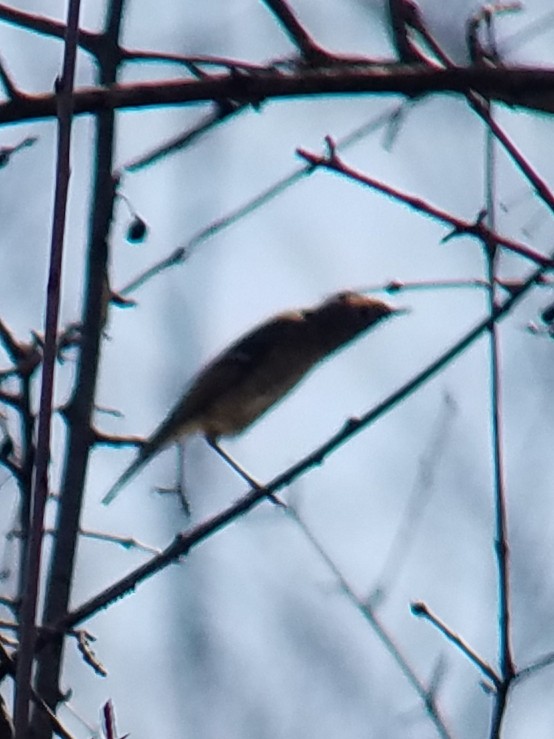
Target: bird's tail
(149, 449)
(171, 429)
(124, 478)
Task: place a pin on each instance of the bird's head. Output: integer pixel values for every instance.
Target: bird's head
(354, 312)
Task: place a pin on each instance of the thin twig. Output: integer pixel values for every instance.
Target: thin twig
(240, 470)
(80, 407)
(501, 547)
(127, 542)
(47, 27)
(546, 661)
(422, 611)
(117, 441)
(418, 499)
(187, 540)
(8, 663)
(310, 50)
(7, 82)
(192, 63)
(398, 286)
(178, 256)
(215, 118)
(181, 254)
(401, 13)
(368, 612)
(42, 458)
(334, 163)
(480, 105)
(14, 349)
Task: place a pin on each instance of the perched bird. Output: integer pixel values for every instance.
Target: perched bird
(249, 377)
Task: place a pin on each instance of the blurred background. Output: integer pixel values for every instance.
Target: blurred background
(253, 635)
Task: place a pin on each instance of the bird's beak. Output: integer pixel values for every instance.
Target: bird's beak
(401, 311)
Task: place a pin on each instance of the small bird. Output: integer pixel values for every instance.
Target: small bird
(255, 372)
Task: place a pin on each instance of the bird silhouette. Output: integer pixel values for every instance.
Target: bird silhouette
(258, 370)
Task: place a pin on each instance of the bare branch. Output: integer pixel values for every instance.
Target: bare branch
(401, 19)
(461, 227)
(33, 559)
(176, 257)
(516, 86)
(540, 664)
(84, 645)
(310, 50)
(81, 405)
(185, 541)
(221, 114)
(126, 542)
(422, 611)
(116, 441)
(478, 53)
(46, 26)
(427, 696)
(481, 107)
(9, 86)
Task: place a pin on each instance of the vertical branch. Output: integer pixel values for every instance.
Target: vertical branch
(506, 662)
(40, 482)
(27, 443)
(78, 413)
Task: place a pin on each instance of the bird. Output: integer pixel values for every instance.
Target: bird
(259, 369)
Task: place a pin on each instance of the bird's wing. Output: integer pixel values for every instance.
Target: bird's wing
(227, 370)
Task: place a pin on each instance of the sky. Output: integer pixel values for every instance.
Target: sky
(253, 635)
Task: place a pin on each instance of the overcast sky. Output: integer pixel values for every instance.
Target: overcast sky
(251, 636)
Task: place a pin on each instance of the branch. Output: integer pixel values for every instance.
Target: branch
(310, 50)
(33, 559)
(185, 541)
(79, 410)
(7, 83)
(9, 665)
(460, 227)
(221, 114)
(482, 108)
(422, 611)
(401, 13)
(47, 27)
(369, 613)
(516, 86)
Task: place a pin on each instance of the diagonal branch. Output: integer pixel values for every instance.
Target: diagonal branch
(482, 108)
(310, 50)
(187, 540)
(47, 27)
(383, 634)
(460, 226)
